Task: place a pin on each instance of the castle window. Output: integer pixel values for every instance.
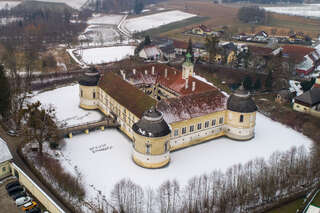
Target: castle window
(94, 94)
(148, 149)
(221, 120)
(176, 132)
(191, 128)
(166, 146)
(199, 126)
(241, 118)
(213, 122)
(81, 93)
(206, 124)
(184, 130)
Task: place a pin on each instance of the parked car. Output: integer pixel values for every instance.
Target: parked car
(29, 205)
(34, 210)
(23, 200)
(15, 190)
(12, 132)
(18, 195)
(12, 184)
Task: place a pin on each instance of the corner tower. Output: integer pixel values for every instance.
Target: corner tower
(88, 89)
(151, 140)
(241, 115)
(187, 67)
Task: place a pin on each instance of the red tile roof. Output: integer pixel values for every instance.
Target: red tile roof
(180, 44)
(260, 51)
(173, 81)
(191, 106)
(295, 52)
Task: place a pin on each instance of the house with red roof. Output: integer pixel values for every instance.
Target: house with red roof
(306, 59)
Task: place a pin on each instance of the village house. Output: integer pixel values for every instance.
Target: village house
(202, 30)
(5, 160)
(309, 102)
(261, 36)
(162, 109)
(150, 53)
(303, 60)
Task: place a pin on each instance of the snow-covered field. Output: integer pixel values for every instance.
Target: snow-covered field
(77, 4)
(108, 156)
(303, 10)
(105, 19)
(106, 54)
(8, 4)
(66, 102)
(101, 35)
(155, 20)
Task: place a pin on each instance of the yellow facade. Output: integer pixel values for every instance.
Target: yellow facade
(231, 57)
(305, 109)
(37, 192)
(194, 135)
(5, 169)
(88, 97)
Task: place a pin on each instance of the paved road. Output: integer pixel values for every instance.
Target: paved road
(13, 143)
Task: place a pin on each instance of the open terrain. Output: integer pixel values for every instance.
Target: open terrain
(226, 15)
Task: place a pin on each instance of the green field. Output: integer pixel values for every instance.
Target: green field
(289, 207)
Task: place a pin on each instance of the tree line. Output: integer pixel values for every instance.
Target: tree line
(240, 188)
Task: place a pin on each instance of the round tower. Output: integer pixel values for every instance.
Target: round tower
(241, 115)
(88, 89)
(151, 140)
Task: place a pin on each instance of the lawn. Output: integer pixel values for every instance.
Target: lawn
(289, 207)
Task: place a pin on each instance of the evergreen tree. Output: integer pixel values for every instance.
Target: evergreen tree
(138, 6)
(212, 47)
(247, 82)
(268, 82)
(257, 84)
(147, 40)
(4, 93)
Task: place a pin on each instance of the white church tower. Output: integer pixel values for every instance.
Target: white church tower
(187, 67)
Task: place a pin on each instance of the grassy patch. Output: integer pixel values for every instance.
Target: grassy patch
(173, 26)
(289, 207)
(316, 200)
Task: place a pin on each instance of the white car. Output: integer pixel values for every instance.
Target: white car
(23, 200)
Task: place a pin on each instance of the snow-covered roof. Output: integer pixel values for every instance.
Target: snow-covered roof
(313, 209)
(306, 65)
(5, 152)
(151, 51)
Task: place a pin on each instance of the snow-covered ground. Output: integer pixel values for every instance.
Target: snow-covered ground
(66, 102)
(309, 10)
(106, 54)
(108, 156)
(155, 20)
(8, 4)
(77, 4)
(110, 19)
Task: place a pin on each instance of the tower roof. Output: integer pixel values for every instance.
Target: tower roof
(152, 124)
(241, 101)
(90, 77)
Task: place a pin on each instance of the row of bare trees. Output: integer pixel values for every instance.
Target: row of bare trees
(241, 188)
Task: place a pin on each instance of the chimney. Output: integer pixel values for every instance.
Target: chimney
(152, 70)
(166, 73)
(134, 71)
(124, 76)
(193, 86)
(187, 82)
(175, 72)
(146, 72)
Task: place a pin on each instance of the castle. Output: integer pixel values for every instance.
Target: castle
(162, 109)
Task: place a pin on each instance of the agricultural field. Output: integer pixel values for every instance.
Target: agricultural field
(220, 15)
(309, 10)
(76, 4)
(147, 22)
